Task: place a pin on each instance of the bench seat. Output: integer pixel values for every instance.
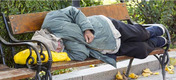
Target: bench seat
(7, 73)
(64, 65)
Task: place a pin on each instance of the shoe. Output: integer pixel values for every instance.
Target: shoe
(158, 41)
(156, 30)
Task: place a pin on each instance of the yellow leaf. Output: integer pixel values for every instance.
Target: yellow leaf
(145, 74)
(171, 72)
(166, 68)
(92, 65)
(133, 76)
(147, 70)
(119, 76)
(156, 73)
(169, 69)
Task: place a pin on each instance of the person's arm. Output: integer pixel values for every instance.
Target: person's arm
(76, 51)
(56, 20)
(80, 19)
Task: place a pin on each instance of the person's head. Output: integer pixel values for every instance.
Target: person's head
(53, 42)
(60, 47)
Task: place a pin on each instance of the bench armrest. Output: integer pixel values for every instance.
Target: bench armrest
(39, 63)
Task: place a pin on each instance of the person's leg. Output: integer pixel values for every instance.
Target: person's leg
(141, 49)
(155, 30)
(158, 41)
(136, 49)
(131, 33)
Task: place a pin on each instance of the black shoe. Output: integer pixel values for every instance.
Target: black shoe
(159, 41)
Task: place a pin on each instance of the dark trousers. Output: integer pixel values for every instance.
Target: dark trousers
(134, 40)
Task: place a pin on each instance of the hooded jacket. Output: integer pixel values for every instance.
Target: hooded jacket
(70, 23)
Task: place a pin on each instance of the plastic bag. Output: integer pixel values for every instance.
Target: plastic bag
(21, 57)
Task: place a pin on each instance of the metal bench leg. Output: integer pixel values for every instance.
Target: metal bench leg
(129, 67)
(163, 71)
(47, 74)
(37, 76)
(163, 59)
(50, 76)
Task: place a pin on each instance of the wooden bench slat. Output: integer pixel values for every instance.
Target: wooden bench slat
(157, 51)
(63, 65)
(31, 22)
(25, 23)
(2, 67)
(16, 74)
(116, 11)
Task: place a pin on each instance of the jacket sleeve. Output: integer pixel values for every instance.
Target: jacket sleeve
(76, 51)
(77, 17)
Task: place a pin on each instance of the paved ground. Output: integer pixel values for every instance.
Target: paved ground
(159, 77)
(107, 72)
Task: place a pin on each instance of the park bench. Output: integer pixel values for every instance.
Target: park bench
(32, 22)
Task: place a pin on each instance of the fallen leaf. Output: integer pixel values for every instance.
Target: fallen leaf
(156, 73)
(171, 72)
(133, 76)
(166, 68)
(92, 65)
(169, 69)
(147, 70)
(119, 76)
(146, 74)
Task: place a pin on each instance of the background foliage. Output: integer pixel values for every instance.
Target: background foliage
(155, 11)
(142, 12)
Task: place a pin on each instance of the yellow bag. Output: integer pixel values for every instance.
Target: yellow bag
(61, 56)
(21, 57)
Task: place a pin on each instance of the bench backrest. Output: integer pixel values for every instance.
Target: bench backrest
(31, 22)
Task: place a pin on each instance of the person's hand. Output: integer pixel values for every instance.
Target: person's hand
(88, 35)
